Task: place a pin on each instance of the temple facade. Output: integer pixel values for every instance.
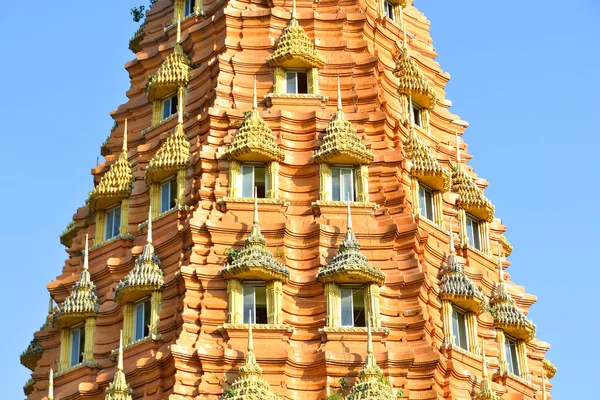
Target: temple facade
(286, 211)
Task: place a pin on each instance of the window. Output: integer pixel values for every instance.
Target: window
(512, 356)
(416, 111)
(168, 195)
(188, 7)
(426, 202)
(77, 345)
(342, 184)
(353, 306)
(141, 323)
(253, 176)
(459, 328)
(389, 9)
(296, 82)
(255, 300)
(169, 106)
(113, 222)
(473, 235)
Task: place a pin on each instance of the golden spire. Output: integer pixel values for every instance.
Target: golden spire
(369, 339)
(119, 389)
(120, 362)
(178, 40)
(293, 9)
(457, 149)
(51, 385)
(125, 136)
(484, 365)
(349, 215)
(255, 219)
(411, 112)
(339, 95)
(485, 387)
(149, 238)
(451, 239)
(85, 254)
(180, 106)
(250, 341)
(254, 97)
(500, 274)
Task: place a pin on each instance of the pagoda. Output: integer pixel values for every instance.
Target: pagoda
(285, 187)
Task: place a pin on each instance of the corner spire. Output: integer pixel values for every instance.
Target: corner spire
(250, 341)
(339, 95)
(500, 271)
(349, 215)
(254, 99)
(125, 136)
(484, 365)
(457, 149)
(294, 9)
(85, 256)
(255, 219)
(120, 363)
(50, 306)
(451, 238)
(119, 389)
(178, 40)
(51, 385)
(149, 238)
(180, 106)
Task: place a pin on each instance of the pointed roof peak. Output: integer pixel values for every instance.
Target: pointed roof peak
(250, 339)
(369, 339)
(180, 106)
(178, 40)
(51, 385)
(118, 388)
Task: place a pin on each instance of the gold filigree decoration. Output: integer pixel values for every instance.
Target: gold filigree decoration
(412, 81)
(424, 164)
(506, 314)
(82, 302)
(138, 36)
(250, 385)
(70, 232)
(173, 155)
(470, 196)
(371, 384)
(146, 276)
(341, 143)
(506, 246)
(118, 388)
(294, 48)
(549, 368)
(254, 139)
(32, 354)
(349, 265)
(254, 260)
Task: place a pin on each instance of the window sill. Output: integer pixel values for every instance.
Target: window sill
(126, 236)
(192, 15)
(163, 214)
(257, 327)
(340, 207)
(76, 367)
(291, 99)
(453, 348)
(228, 199)
(505, 375)
(356, 334)
(150, 338)
(162, 122)
(260, 331)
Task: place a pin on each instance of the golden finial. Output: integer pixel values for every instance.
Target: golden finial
(484, 365)
(51, 385)
(411, 112)
(457, 148)
(500, 274)
(369, 339)
(250, 342)
(85, 254)
(349, 213)
(293, 9)
(120, 363)
(149, 239)
(451, 239)
(255, 220)
(180, 106)
(125, 136)
(339, 94)
(179, 30)
(254, 100)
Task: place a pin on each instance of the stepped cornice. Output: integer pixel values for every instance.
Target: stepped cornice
(341, 143)
(82, 302)
(424, 164)
(412, 81)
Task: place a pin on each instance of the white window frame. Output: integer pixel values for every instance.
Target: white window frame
(344, 192)
(457, 324)
(81, 329)
(426, 207)
(170, 98)
(389, 9)
(352, 289)
(253, 185)
(188, 7)
(169, 181)
(476, 240)
(295, 71)
(109, 214)
(513, 363)
(145, 302)
(245, 286)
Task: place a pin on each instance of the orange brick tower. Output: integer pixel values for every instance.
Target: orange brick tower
(275, 219)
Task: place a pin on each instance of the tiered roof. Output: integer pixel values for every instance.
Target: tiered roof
(349, 264)
(116, 183)
(456, 286)
(254, 140)
(250, 385)
(371, 384)
(32, 354)
(146, 276)
(255, 260)
(82, 302)
(425, 165)
(295, 48)
(341, 143)
(118, 388)
(506, 314)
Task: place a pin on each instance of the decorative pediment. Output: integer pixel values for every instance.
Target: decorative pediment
(371, 384)
(254, 140)
(172, 156)
(118, 388)
(294, 48)
(145, 277)
(424, 165)
(172, 74)
(116, 183)
(82, 303)
(349, 265)
(341, 143)
(470, 196)
(32, 354)
(507, 316)
(412, 81)
(250, 385)
(255, 261)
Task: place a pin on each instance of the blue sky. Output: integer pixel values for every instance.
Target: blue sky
(524, 74)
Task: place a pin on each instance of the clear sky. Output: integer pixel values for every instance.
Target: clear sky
(524, 74)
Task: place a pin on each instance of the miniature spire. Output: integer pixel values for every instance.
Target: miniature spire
(125, 136)
(51, 385)
(369, 339)
(254, 100)
(85, 254)
(293, 9)
(544, 393)
(484, 365)
(339, 95)
(118, 388)
(180, 106)
(349, 215)
(120, 363)
(451, 239)
(178, 40)
(500, 274)
(255, 219)
(149, 239)
(250, 341)
(457, 148)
